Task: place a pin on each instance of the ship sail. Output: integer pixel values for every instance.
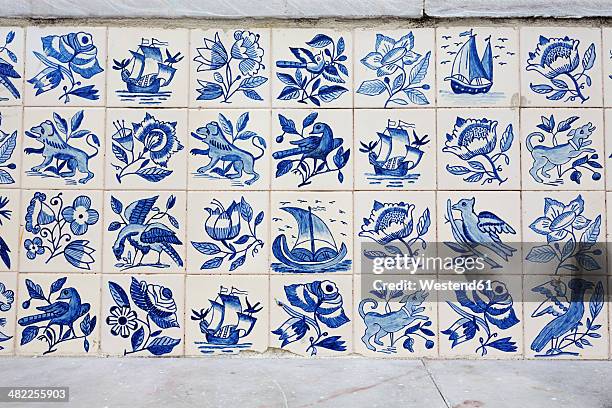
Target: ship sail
(468, 67)
(487, 62)
(232, 307)
(245, 324)
(312, 229)
(216, 316)
(166, 73)
(138, 62)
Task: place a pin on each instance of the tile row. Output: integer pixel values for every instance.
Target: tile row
(259, 67)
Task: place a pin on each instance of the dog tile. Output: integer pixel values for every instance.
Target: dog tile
(10, 209)
(246, 132)
(10, 146)
(8, 307)
(12, 54)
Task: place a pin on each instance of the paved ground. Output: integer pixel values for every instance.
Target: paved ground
(246, 383)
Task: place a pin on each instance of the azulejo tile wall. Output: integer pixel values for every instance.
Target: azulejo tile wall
(168, 192)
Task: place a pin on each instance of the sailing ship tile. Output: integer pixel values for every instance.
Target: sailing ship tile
(229, 314)
(10, 214)
(394, 68)
(8, 307)
(244, 132)
(11, 122)
(148, 67)
(477, 66)
(12, 65)
(607, 65)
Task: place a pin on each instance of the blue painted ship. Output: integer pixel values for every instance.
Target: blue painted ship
(147, 71)
(395, 155)
(472, 74)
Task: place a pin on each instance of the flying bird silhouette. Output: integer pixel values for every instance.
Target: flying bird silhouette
(447, 37)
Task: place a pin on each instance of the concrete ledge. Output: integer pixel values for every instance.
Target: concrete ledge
(518, 8)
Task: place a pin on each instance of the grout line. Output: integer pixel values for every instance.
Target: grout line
(433, 381)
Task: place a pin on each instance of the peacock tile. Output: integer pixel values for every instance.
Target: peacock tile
(484, 226)
(65, 66)
(312, 232)
(229, 149)
(565, 232)
(149, 149)
(10, 210)
(58, 314)
(561, 66)
(148, 67)
(395, 68)
(8, 307)
(566, 317)
(312, 67)
(607, 65)
(62, 149)
(61, 231)
(229, 314)
(312, 315)
(312, 149)
(563, 149)
(391, 224)
(230, 68)
(142, 315)
(477, 66)
(12, 55)
(228, 232)
(395, 149)
(11, 120)
(144, 231)
(395, 316)
(478, 149)
(482, 317)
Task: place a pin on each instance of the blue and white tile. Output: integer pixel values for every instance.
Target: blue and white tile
(10, 210)
(12, 54)
(11, 121)
(8, 308)
(607, 65)
(608, 147)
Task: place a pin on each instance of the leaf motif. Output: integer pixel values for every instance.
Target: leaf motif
(212, 263)
(116, 205)
(330, 93)
(288, 93)
(58, 284)
(28, 334)
(259, 218)
(286, 79)
(253, 82)
(457, 170)
(588, 60)
(418, 72)
(372, 87)
(237, 263)
(591, 234)
(587, 262)
(320, 41)
(287, 125)
(246, 135)
(476, 165)
(119, 153)
(76, 121)
(7, 148)
(10, 36)
(226, 126)
(242, 122)
(246, 210)
(424, 223)
(5, 177)
(61, 123)
(153, 174)
(417, 97)
(162, 345)
(251, 94)
(541, 88)
(309, 120)
(209, 91)
(34, 290)
(137, 338)
(206, 248)
(118, 294)
(283, 167)
(541, 254)
(507, 139)
(474, 177)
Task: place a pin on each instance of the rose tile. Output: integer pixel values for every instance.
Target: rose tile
(10, 209)
(12, 57)
(8, 306)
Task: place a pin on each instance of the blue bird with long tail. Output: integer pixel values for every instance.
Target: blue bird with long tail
(59, 312)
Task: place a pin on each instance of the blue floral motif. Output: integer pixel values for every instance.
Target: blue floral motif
(7, 298)
(58, 317)
(483, 309)
(313, 71)
(558, 60)
(246, 55)
(46, 221)
(7, 68)
(316, 305)
(7, 147)
(66, 58)
(144, 149)
(560, 225)
(145, 333)
(142, 228)
(5, 214)
(225, 227)
(475, 142)
(391, 60)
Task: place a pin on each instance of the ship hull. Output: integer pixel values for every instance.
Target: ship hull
(230, 340)
(400, 171)
(459, 87)
(153, 88)
(283, 254)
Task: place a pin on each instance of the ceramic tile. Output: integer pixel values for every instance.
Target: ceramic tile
(61, 231)
(383, 136)
(147, 149)
(298, 327)
(8, 307)
(76, 331)
(230, 68)
(10, 146)
(62, 148)
(561, 66)
(9, 229)
(148, 67)
(295, 220)
(211, 328)
(608, 147)
(245, 133)
(485, 226)
(65, 66)
(144, 232)
(143, 315)
(550, 320)
(303, 141)
(477, 66)
(228, 232)
(312, 67)
(565, 231)
(607, 65)
(12, 53)
(478, 149)
(394, 68)
(563, 149)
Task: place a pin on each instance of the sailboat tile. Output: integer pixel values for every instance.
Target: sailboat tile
(75, 332)
(312, 67)
(394, 68)
(228, 232)
(11, 120)
(607, 65)
(13, 57)
(561, 66)
(144, 231)
(10, 211)
(142, 315)
(477, 66)
(148, 67)
(478, 149)
(8, 307)
(147, 149)
(230, 68)
(61, 231)
(563, 149)
(312, 149)
(298, 327)
(228, 314)
(395, 149)
(214, 133)
(312, 232)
